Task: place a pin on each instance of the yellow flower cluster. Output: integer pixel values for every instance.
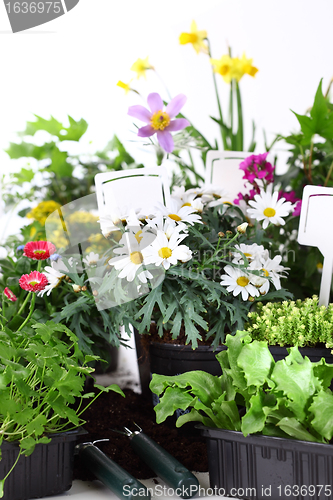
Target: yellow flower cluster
(228, 67)
(43, 210)
(233, 67)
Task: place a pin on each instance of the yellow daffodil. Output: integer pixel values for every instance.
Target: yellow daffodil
(233, 67)
(141, 66)
(125, 86)
(247, 66)
(196, 38)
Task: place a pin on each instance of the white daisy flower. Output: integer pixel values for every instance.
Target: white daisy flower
(238, 281)
(130, 259)
(187, 198)
(273, 269)
(268, 208)
(166, 252)
(91, 259)
(179, 214)
(167, 226)
(54, 277)
(214, 195)
(252, 252)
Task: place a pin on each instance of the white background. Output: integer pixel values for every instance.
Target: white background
(72, 64)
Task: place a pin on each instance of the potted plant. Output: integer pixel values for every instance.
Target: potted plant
(186, 274)
(96, 332)
(42, 375)
(268, 423)
(289, 323)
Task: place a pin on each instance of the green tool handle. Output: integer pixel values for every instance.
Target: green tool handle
(117, 479)
(167, 467)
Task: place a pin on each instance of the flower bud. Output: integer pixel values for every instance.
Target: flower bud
(221, 235)
(242, 228)
(76, 288)
(95, 293)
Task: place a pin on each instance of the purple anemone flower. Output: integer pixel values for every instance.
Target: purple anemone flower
(159, 121)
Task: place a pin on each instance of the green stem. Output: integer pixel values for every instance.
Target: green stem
(24, 303)
(231, 110)
(3, 305)
(33, 300)
(32, 307)
(223, 134)
(328, 175)
(310, 163)
(240, 131)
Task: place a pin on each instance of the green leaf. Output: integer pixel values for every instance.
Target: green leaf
(36, 427)
(323, 372)
(59, 164)
(254, 419)
(52, 126)
(295, 378)
(295, 429)
(257, 362)
(75, 130)
(172, 400)
(194, 416)
(24, 175)
(235, 345)
(322, 409)
(205, 386)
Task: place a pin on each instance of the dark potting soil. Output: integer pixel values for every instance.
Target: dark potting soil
(112, 411)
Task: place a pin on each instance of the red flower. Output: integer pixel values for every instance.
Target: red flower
(33, 282)
(9, 294)
(39, 250)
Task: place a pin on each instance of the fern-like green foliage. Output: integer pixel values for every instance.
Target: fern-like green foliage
(300, 322)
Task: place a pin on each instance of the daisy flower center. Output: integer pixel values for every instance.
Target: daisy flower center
(165, 252)
(33, 283)
(186, 205)
(175, 217)
(266, 273)
(39, 252)
(242, 281)
(136, 258)
(248, 255)
(269, 212)
(160, 120)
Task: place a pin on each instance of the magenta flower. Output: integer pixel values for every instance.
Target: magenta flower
(159, 121)
(256, 167)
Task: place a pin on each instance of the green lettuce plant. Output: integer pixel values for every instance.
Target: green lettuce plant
(41, 384)
(289, 398)
(300, 322)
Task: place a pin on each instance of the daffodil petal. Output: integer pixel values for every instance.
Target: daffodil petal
(140, 112)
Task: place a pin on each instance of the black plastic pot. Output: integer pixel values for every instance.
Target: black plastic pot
(263, 467)
(173, 359)
(313, 353)
(47, 471)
